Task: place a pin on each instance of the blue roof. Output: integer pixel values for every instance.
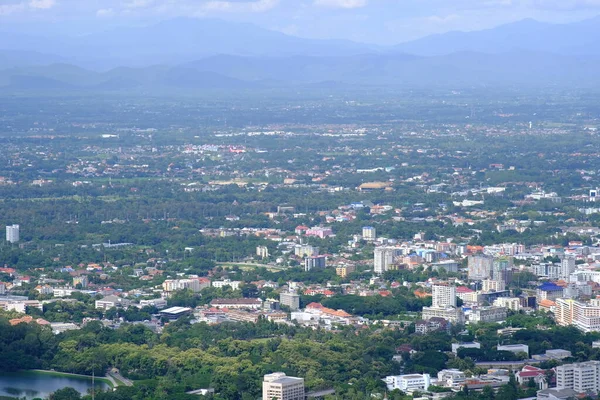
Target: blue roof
(549, 286)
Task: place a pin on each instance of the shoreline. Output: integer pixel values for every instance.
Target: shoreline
(105, 379)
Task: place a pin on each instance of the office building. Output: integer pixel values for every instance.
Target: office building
(12, 233)
(369, 233)
(488, 314)
(492, 285)
(281, 387)
(480, 267)
(443, 296)
(290, 299)
(581, 377)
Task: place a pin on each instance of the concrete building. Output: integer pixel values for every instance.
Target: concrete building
(344, 270)
(488, 314)
(235, 285)
(305, 250)
(584, 316)
(12, 233)
(514, 348)
(502, 269)
(581, 377)
(451, 314)
(369, 233)
(467, 345)
(315, 262)
(567, 267)
(556, 394)
(290, 299)
(111, 301)
(443, 296)
(408, 383)
(262, 251)
(384, 256)
(549, 291)
(480, 267)
(491, 285)
(452, 378)
(281, 387)
(511, 303)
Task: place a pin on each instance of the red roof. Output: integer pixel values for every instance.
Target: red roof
(463, 289)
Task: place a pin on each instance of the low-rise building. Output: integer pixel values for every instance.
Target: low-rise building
(254, 304)
(408, 383)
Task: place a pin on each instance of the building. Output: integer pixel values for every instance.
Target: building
(584, 316)
(235, 285)
(511, 303)
(174, 313)
(556, 394)
(529, 372)
(281, 387)
(480, 267)
(488, 314)
(369, 233)
(315, 262)
(452, 378)
(567, 267)
(383, 257)
(319, 232)
(345, 270)
(549, 291)
(451, 314)
(193, 284)
(12, 233)
(158, 303)
(514, 348)
(262, 251)
(434, 324)
(255, 304)
(443, 296)
(80, 280)
(581, 377)
(491, 285)
(408, 383)
(112, 301)
(502, 269)
(467, 345)
(305, 250)
(290, 299)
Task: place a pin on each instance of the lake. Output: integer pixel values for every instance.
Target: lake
(31, 384)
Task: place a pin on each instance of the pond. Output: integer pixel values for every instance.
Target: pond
(32, 384)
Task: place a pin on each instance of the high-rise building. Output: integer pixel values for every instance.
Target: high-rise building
(369, 233)
(315, 262)
(567, 267)
(12, 233)
(281, 387)
(491, 285)
(480, 267)
(582, 377)
(290, 299)
(305, 250)
(262, 251)
(383, 258)
(443, 296)
(502, 269)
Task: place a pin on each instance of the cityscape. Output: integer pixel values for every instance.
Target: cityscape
(200, 204)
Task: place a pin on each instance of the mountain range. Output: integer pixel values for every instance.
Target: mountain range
(191, 54)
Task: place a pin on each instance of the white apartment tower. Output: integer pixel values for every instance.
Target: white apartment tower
(567, 267)
(443, 296)
(12, 233)
(581, 377)
(383, 258)
(281, 387)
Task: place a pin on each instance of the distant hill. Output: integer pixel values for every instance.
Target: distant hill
(237, 72)
(578, 38)
(176, 41)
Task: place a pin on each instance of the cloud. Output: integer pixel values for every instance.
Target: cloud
(348, 4)
(42, 4)
(105, 12)
(238, 6)
(138, 4)
(7, 9)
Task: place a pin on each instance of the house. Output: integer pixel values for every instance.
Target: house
(530, 372)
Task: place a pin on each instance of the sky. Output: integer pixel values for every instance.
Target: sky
(382, 22)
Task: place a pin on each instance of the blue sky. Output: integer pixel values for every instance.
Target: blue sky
(373, 21)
